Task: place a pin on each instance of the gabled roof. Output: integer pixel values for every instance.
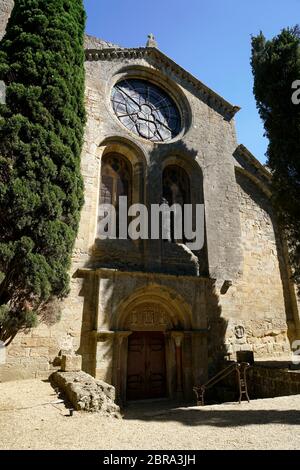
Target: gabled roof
(112, 52)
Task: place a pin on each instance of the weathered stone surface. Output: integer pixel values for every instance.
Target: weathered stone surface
(6, 7)
(71, 363)
(86, 393)
(264, 382)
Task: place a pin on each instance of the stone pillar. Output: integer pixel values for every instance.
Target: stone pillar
(187, 368)
(200, 356)
(120, 364)
(178, 337)
(104, 302)
(104, 355)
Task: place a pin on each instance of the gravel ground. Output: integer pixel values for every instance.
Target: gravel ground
(32, 418)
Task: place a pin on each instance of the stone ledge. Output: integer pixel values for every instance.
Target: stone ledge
(86, 393)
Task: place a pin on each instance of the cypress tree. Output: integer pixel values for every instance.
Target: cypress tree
(41, 134)
(276, 66)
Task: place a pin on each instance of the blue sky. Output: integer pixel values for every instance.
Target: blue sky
(209, 38)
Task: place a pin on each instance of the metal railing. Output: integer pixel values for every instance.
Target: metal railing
(239, 368)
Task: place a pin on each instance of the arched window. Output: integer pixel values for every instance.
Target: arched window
(116, 181)
(176, 190)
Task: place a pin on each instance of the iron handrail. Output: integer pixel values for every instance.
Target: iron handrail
(219, 376)
(238, 367)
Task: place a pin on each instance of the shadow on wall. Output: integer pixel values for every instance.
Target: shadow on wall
(177, 258)
(145, 257)
(158, 255)
(88, 337)
(264, 203)
(217, 326)
(203, 349)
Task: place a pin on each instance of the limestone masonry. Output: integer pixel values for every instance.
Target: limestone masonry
(149, 317)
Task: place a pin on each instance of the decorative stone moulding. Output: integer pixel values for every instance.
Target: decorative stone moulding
(209, 95)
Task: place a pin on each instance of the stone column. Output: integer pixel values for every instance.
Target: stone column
(178, 337)
(104, 355)
(120, 364)
(200, 356)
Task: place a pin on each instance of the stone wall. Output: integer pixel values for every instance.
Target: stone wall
(169, 302)
(6, 7)
(266, 382)
(258, 306)
(206, 148)
(31, 355)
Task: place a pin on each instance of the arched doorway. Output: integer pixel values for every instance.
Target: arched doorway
(146, 365)
(148, 356)
(150, 340)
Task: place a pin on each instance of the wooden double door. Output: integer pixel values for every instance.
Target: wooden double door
(146, 367)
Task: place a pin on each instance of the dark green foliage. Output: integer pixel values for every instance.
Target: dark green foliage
(276, 65)
(41, 132)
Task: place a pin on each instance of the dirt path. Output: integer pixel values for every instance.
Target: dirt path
(31, 418)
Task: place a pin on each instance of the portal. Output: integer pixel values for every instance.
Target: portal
(146, 368)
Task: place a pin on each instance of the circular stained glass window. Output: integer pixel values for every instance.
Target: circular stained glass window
(146, 110)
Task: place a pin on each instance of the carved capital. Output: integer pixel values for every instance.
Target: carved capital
(105, 335)
(178, 337)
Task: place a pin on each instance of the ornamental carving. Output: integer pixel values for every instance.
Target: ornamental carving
(239, 331)
(148, 317)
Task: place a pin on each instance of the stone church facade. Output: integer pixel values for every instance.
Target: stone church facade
(149, 316)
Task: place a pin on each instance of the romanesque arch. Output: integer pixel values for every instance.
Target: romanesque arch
(158, 308)
(135, 155)
(151, 317)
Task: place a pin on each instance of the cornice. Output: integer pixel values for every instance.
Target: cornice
(250, 158)
(208, 96)
(84, 272)
(251, 167)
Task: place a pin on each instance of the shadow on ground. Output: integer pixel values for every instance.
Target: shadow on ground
(197, 416)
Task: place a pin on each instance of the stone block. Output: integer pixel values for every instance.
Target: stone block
(71, 363)
(86, 393)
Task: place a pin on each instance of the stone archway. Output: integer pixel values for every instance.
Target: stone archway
(148, 347)
(167, 306)
(149, 352)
